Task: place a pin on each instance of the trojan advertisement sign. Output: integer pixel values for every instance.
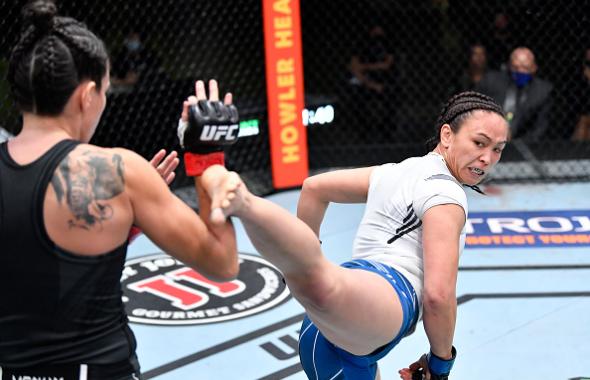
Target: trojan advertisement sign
(569, 228)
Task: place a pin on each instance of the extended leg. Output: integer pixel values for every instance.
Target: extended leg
(355, 309)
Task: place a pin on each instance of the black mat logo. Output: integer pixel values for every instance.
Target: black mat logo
(161, 290)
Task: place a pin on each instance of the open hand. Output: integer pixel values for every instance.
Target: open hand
(165, 165)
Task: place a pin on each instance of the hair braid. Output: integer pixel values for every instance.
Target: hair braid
(26, 42)
(85, 46)
(457, 108)
(48, 55)
(63, 29)
(53, 55)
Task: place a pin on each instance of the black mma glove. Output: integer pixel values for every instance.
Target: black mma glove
(211, 126)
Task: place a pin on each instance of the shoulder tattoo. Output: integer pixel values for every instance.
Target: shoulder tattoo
(86, 183)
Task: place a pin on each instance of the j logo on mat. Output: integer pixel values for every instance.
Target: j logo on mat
(161, 290)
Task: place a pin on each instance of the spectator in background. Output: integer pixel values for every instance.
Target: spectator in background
(371, 67)
(372, 79)
(525, 97)
(500, 42)
(474, 72)
(582, 129)
(133, 64)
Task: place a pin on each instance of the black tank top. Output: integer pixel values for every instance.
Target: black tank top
(56, 307)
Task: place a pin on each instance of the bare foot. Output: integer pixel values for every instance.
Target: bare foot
(227, 191)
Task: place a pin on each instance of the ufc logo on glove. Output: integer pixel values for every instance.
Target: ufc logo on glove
(216, 132)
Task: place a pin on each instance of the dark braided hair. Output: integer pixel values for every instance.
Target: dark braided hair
(52, 57)
(458, 108)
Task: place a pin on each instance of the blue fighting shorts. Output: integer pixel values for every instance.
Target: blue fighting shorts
(322, 360)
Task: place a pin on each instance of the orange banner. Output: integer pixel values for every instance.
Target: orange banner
(284, 87)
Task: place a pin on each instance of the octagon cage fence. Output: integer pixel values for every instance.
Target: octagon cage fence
(424, 47)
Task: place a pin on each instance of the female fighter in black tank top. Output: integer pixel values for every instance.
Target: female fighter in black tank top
(56, 306)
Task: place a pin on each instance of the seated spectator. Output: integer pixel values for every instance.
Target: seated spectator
(370, 67)
(582, 129)
(500, 41)
(474, 72)
(133, 64)
(526, 98)
(372, 80)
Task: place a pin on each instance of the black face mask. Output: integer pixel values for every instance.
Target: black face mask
(587, 62)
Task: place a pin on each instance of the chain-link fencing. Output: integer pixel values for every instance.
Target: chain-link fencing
(376, 75)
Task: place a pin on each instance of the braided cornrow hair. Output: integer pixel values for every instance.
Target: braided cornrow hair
(52, 57)
(458, 108)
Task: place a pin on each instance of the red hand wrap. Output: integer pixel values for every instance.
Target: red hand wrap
(133, 233)
(195, 164)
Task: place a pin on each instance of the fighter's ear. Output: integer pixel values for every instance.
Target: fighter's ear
(446, 134)
(87, 93)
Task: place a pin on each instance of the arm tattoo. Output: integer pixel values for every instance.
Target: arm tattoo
(87, 183)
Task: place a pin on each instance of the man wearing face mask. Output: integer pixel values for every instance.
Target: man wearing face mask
(526, 98)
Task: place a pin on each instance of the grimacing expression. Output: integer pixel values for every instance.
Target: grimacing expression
(476, 147)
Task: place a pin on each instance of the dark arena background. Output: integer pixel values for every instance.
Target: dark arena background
(347, 124)
(523, 293)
